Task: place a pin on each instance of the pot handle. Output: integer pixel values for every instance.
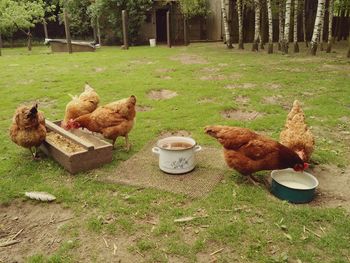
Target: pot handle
(156, 150)
(197, 148)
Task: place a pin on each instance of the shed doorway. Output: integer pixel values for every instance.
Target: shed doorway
(161, 25)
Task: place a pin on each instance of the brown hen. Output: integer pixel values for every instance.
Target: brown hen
(28, 128)
(86, 103)
(112, 120)
(248, 152)
(296, 135)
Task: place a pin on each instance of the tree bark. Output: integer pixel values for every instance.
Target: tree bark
(304, 25)
(45, 29)
(262, 25)
(98, 32)
(67, 29)
(269, 15)
(322, 28)
(318, 21)
(255, 46)
(240, 24)
(285, 43)
(125, 28)
(226, 26)
(330, 24)
(281, 24)
(295, 31)
(29, 44)
(0, 43)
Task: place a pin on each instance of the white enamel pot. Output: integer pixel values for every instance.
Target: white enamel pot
(176, 160)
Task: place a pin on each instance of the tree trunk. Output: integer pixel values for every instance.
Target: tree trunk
(94, 30)
(322, 28)
(125, 29)
(226, 26)
(98, 32)
(295, 31)
(269, 16)
(262, 25)
(45, 29)
(29, 44)
(255, 46)
(281, 23)
(304, 25)
(0, 43)
(318, 22)
(330, 23)
(348, 55)
(285, 43)
(240, 24)
(67, 29)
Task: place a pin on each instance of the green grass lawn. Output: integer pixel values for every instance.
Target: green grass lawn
(246, 221)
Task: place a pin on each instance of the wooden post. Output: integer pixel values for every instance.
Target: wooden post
(125, 29)
(98, 32)
(45, 29)
(66, 27)
(94, 30)
(186, 42)
(168, 35)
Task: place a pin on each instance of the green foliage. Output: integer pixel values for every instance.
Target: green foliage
(191, 8)
(20, 14)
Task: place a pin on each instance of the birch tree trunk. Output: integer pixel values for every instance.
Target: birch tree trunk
(318, 22)
(226, 27)
(285, 43)
(322, 28)
(45, 29)
(330, 24)
(304, 24)
(281, 24)
(269, 16)
(295, 31)
(240, 24)
(255, 46)
(263, 28)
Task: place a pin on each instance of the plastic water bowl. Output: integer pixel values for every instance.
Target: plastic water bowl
(295, 187)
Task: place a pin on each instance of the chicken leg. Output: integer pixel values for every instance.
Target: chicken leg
(127, 143)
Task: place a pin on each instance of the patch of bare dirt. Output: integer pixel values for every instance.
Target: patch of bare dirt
(277, 100)
(140, 62)
(213, 77)
(98, 69)
(37, 227)
(222, 65)
(242, 100)
(273, 86)
(345, 119)
(209, 70)
(25, 81)
(189, 59)
(334, 185)
(240, 86)
(327, 67)
(141, 108)
(165, 77)
(161, 94)
(241, 115)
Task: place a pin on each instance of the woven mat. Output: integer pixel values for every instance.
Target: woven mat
(142, 170)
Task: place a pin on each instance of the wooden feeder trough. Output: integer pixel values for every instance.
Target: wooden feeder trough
(60, 45)
(77, 150)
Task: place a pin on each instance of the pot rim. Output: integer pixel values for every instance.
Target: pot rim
(275, 174)
(159, 144)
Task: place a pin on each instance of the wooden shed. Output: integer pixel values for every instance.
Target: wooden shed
(198, 28)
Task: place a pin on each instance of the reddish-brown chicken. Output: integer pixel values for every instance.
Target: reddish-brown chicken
(248, 152)
(86, 103)
(112, 120)
(28, 128)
